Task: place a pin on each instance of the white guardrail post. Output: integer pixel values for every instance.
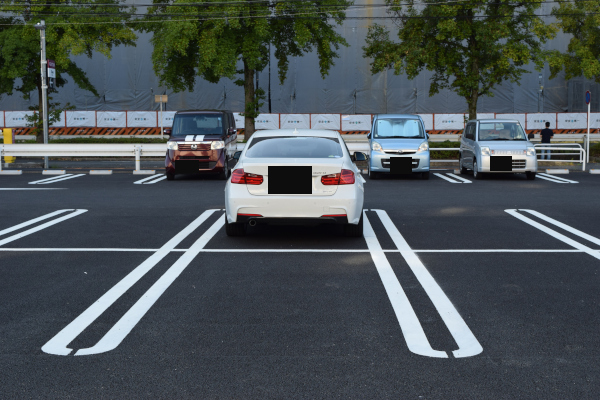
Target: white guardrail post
(138, 154)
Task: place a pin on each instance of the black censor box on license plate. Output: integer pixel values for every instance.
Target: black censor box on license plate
(290, 180)
(400, 165)
(500, 163)
(187, 166)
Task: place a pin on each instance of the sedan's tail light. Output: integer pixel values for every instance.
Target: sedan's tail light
(345, 178)
(241, 177)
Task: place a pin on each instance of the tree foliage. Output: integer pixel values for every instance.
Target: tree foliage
(470, 46)
(71, 30)
(231, 40)
(582, 58)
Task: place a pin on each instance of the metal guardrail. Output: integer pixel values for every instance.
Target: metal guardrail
(575, 147)
(85, 150)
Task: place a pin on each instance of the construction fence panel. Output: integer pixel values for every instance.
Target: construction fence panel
(81, 119)
(449, 122)
(572, 120)
(267, 121)
(538, 120)
(111, 119)
(16, 119)
(167, 118)
(294, 121)
(428, 120)
(142, 119)
(325, 121)
(352, 123)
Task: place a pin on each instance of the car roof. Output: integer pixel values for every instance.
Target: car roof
(202, 111)
(493, 120)
(403, 116)
(297, 132)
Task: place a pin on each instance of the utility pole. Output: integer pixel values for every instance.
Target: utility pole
(41, 26)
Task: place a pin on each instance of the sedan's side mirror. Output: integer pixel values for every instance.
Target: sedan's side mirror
(358, 156)
(236, 155)
(167, 131)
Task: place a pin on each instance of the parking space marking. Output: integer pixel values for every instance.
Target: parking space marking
(446, 178)
(566, 227)
(48, 179)
(549, 179)
(553, 233)
(556, 178)
(32, 221)
(468, 345)
(409, 322)
(32, 188)
(121, 329)
(40, 227)
(160, 178)
(145, 180)
(56, 179)
(58, 344)
(460, 178)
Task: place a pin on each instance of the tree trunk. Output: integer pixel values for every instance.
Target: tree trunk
(249, 101)
(472, 102)
(39, 138)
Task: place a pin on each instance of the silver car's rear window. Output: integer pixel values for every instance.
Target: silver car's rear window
(294, 147)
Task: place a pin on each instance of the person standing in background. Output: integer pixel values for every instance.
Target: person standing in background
(546, 135)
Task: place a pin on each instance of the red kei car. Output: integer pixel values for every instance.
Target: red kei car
(201, 142)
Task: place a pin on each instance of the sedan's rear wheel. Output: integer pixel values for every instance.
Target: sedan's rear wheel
(351, 230)
(234, 229)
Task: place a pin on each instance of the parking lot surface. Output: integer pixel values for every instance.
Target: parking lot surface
(122, 286)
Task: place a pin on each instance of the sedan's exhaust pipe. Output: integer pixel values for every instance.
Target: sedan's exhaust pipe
(252, 222)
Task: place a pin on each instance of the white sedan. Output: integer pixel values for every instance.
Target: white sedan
(295, 177)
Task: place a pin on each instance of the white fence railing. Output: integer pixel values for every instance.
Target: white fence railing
(572, 149)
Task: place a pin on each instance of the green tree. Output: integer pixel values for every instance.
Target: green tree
(471, 46)
(72, 30)
(215, 38)
(580, 18)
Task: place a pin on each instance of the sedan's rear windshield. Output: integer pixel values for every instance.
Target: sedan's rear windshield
(197, 124)
(398, 128)
(501, 131)
(294, 147)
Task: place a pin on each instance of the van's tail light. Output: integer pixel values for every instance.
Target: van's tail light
(345, 178)
(241, 177)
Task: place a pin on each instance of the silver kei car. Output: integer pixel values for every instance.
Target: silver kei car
(496, 146)
(398, 145)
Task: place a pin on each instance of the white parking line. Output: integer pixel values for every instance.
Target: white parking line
(49, 179)
(58, 344)
(32, 221)
(460, 178)
(445, 178)
(121, 329)
(40, 227)
(556, 178)
(32, 188)
(160, 178)
(141, 181)
(409, 323)
(549, 179)
(468, 345)
(62, 178)
(554, 233)
(563, 226)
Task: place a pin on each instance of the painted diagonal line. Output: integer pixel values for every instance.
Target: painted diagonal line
(445, 178)
(58, 344)
(49, 179)
(40, 227)
(554, 234)
(460, 178)
(64, 178)
(161, 177)
(409, 323)
(32, 189)
(121, 329)
(144, 180)
(567, 228)
(549, 179)
(32, 221)
(558, 178)
(468, 345)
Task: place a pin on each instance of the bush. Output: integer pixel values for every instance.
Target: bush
(444, 155)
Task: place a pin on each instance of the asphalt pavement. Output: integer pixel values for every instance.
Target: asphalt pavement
(115, 288)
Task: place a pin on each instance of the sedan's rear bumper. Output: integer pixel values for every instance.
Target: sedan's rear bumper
(347, 202)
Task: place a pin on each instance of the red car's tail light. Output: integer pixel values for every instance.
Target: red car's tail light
(345, 178)
(239, 176)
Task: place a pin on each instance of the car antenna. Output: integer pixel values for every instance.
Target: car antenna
(295, 130)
